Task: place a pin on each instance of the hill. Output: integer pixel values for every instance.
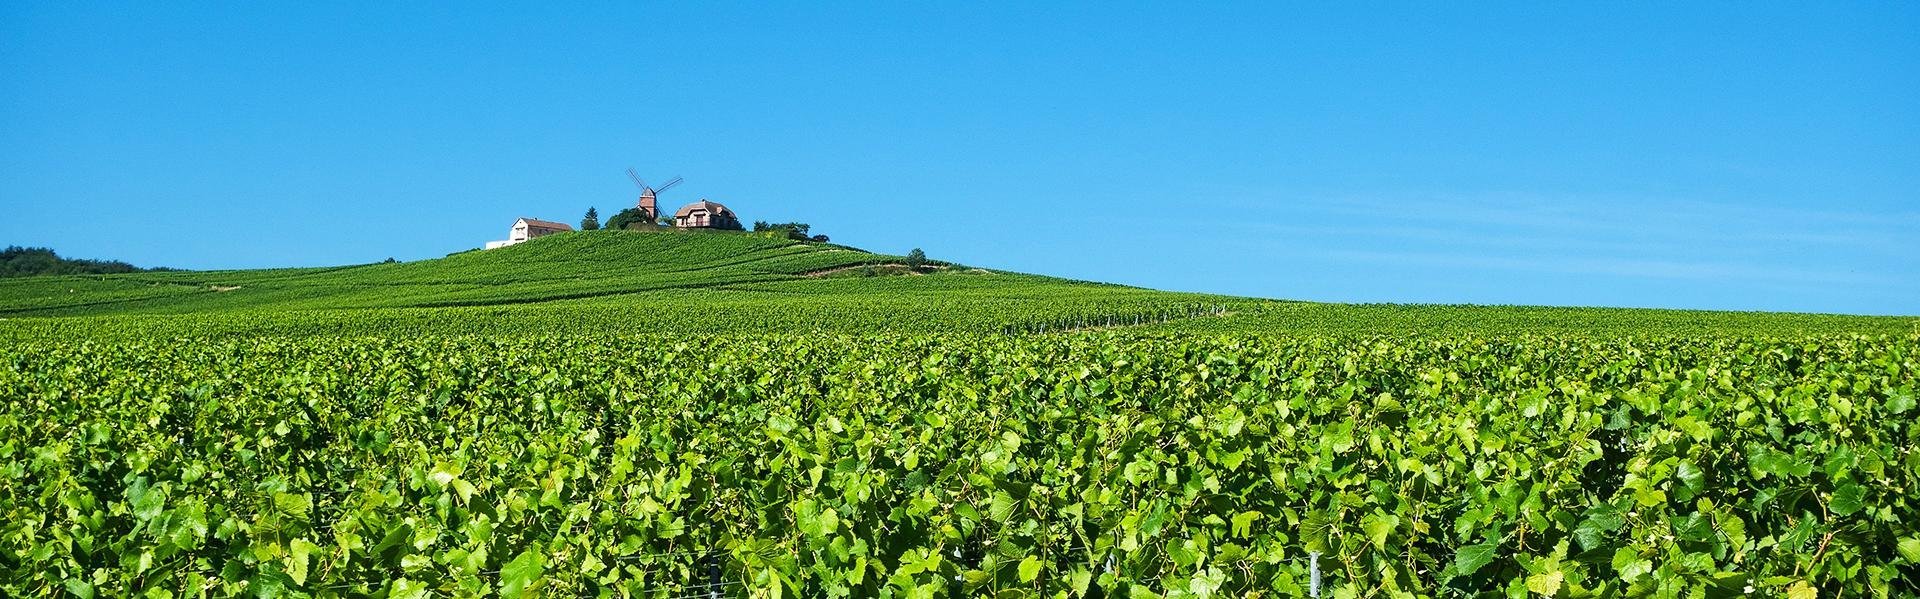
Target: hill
(677, 281)
(597, 280)
(551, 268)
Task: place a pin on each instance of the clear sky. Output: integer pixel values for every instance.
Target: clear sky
(1736, 156)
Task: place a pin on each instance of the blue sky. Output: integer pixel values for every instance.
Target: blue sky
(1753, 156)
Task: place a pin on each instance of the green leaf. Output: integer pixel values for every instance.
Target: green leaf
(1840, 463)
(1910, 549)
(1629, 566)
(521, 573)
(829, 521)
(1545, 583)
(1849, 498)
(1695, 527)
(407, 589)
(1243, 524)
(1140, 591)
(1801, 590)
(297, 556)
(1690, 476)
(1029, 569)
(79, 588)
(1899, 402)
(292, 504)
(1001, 509)
(1378, 526)
(465, 489)
(1207, 583)
(1139, 472)
(1650, 497)
(442, 474)
(1469, 559)
(1600, 520)
(146, 502)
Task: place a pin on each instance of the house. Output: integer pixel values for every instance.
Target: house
(705, 215)
(529, 228)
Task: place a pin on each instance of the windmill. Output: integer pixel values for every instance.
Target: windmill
(649, 195)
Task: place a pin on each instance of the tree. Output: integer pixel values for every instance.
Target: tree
(916, 258)
(627, 217)
(794, 231)
(592, 221)
(16, 261)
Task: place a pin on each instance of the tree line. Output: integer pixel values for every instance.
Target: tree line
(16, 261)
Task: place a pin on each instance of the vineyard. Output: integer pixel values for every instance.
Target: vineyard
(723, 425)
(1089, 464)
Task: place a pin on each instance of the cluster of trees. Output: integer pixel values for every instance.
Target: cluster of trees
(16, 261)
(621, 219)
(794, 231)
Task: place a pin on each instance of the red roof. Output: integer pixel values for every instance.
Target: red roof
(534, 223)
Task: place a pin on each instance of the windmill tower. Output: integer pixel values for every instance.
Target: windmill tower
(649, 197)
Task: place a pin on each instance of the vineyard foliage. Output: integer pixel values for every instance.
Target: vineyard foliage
(1115, 464)
(678, 415)
(559, 267)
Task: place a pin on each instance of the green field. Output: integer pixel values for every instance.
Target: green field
(676, 415)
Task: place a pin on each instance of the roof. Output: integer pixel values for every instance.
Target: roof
(711, 208)
(534, 223)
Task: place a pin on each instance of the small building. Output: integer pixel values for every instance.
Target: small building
(705, 215)
(529, 228)
(649, 204)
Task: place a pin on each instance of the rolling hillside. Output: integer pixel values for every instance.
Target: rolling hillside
(728, 282)
(650, 281)
(551, 268)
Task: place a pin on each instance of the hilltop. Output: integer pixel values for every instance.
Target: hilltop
(702, 281)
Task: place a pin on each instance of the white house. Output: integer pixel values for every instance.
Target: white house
(529, 228)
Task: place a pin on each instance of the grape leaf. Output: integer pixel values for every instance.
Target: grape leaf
(521, 574)
(1469, 559)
